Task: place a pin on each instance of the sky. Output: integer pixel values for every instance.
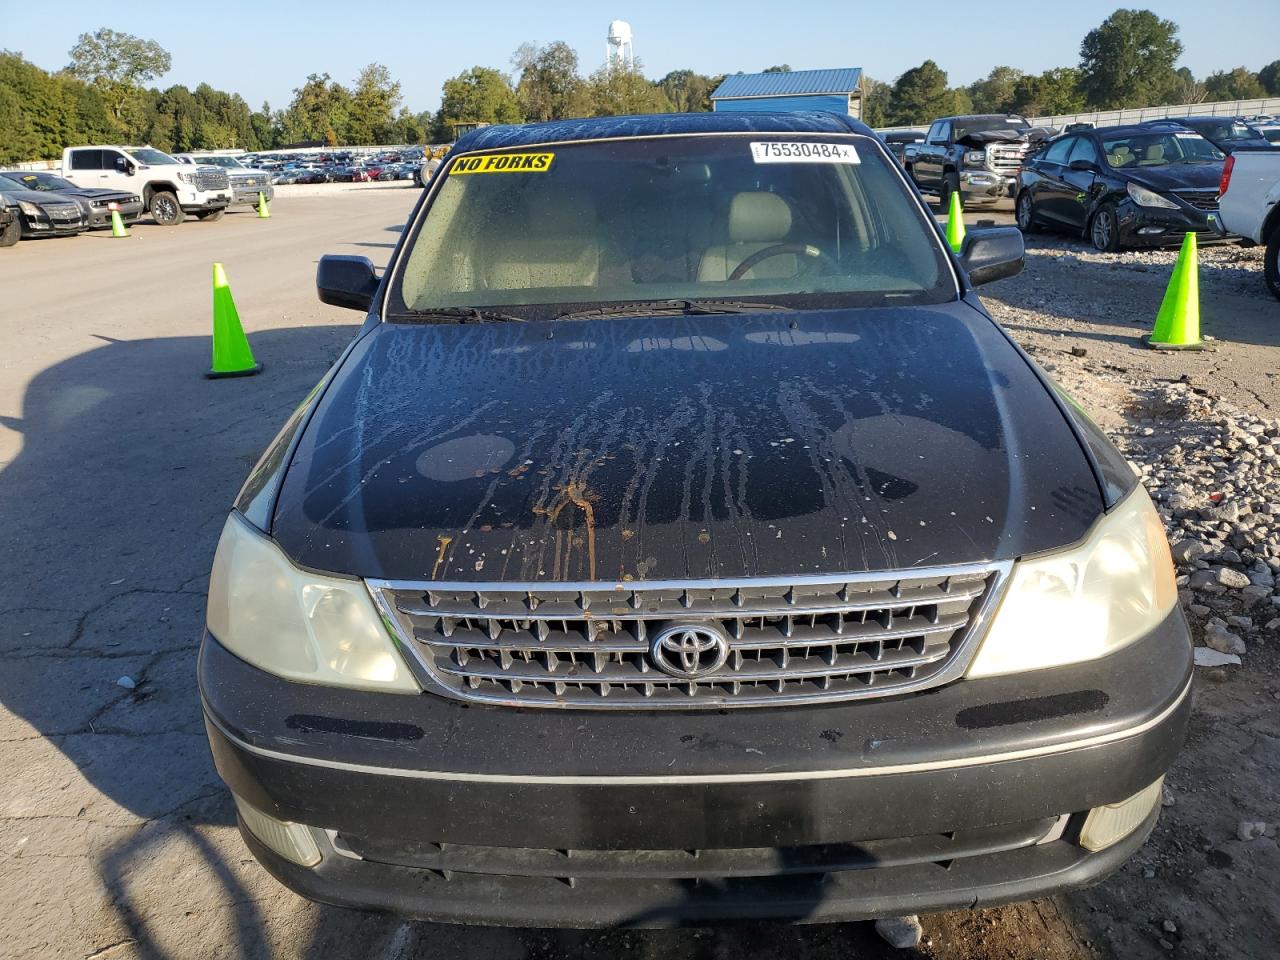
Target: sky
(276, 44)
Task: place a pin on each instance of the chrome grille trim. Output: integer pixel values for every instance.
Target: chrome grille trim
(1007, 158)
(211, 178)
(792, 640)
(1206, 200)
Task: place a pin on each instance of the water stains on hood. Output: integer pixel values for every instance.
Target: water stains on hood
(684, 447)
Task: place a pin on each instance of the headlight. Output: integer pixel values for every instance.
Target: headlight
(1146, 198)
(298, 625)
(30, 209)
(975, 158)
(1087, 601)
(186, 177)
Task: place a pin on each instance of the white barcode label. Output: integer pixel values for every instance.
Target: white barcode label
(780, 151)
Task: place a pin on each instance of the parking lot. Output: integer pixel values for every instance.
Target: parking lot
(118, 461)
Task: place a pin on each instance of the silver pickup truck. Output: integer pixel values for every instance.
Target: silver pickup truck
(1249, 204)
(246, 182)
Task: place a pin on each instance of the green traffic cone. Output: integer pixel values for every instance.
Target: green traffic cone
(117, 225)
(231, 354)
(1177, 324)
(264, 212)
(955, 223)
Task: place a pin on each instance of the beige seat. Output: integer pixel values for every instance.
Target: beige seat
(756, 220)
(1120, 156)
(1153, 156)
(559, 248)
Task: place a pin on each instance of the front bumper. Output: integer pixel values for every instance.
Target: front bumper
(195, 201)
(100, 217)
(1158, 227)
(249, 194)
(985, 185)
(970, 794)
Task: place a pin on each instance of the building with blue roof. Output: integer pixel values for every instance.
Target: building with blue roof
(837, 91)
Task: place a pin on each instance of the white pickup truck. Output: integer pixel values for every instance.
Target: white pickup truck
(1249, 204)
(170, 190)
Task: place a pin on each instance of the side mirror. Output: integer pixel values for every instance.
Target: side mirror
(992, 253)
(349, 282)
(1083, 166)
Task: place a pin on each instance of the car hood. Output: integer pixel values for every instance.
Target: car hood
(1179, 176)
(686, 447)
(38, 197)
(99, 193)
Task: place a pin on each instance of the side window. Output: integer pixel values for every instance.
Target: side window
(932, 135)
(944, 131)
(1059, 152)
(86, 159)
(1084, 150)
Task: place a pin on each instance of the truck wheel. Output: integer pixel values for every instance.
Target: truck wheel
(1104, 231)
(1272, 268)
(11, 233)
(211, 215)
(165, 209)
(1025, 211)
(950, 185)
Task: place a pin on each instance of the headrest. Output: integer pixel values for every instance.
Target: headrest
(1155, 151)
(758, 218)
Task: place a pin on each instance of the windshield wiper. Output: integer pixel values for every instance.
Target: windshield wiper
(458, 314)
(658, 308)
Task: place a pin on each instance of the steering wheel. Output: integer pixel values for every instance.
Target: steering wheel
(779, 250)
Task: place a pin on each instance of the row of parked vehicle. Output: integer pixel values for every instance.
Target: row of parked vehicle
(1139, 185)
(346, 166)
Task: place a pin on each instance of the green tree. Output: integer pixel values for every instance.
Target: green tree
(1189, 89)
(1269, 77)
(1128, 61)
(266, 127)
(1055, 91)
(689, 92)
(373, 104)
(780, 68)
(994, 93)
(877, 102)
(118, 63)
(617, 90)
(321, 107)
(1238, 84)
(478, 95)
(921, 95)
(550, 86)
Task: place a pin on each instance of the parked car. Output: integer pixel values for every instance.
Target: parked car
(1249, 204)
(285, 177)
(44, 214)
(977, 156)
(314, 175)
(1225, 133)
(680, 540)
(246, 183)
(170, 190)
(10, 223)
(899, 140)
(96, 203)
(360, 174)
(1123, 186)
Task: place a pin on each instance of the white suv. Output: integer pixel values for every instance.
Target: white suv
(170, 190)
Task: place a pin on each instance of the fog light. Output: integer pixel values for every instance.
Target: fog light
(292, 841)
(1112, 823)
(1149, 231)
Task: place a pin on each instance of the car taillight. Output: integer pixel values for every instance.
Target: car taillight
(1226, 175)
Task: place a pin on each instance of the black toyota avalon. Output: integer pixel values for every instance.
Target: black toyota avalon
(1135, 186)
(680, 540)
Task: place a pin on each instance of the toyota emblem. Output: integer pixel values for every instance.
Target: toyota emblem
(689, 651)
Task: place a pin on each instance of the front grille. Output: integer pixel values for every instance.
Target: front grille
(62, 211)
(592, 645)
(1202, 200)
(211, 178)
(1006, 159)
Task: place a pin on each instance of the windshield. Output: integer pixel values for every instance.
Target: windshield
(147, 155)
(1159, 150)
(670, 218)
(962, 128)
(8, 184)
(1227, 130)
(1271, 133)
(229, 162)
(38, 181)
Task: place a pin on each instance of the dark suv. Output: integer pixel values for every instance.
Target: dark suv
(680, 540)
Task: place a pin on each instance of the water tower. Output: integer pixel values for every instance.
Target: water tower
(618, 45)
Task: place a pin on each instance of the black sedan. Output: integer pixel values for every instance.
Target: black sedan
(703, 550)
(44, 214)
(1225, 133)
(1135, 186)
(95, 202)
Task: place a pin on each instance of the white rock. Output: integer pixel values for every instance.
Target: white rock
(901, 932)
(1246, 830)
(1205, 657)
(126, 682)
